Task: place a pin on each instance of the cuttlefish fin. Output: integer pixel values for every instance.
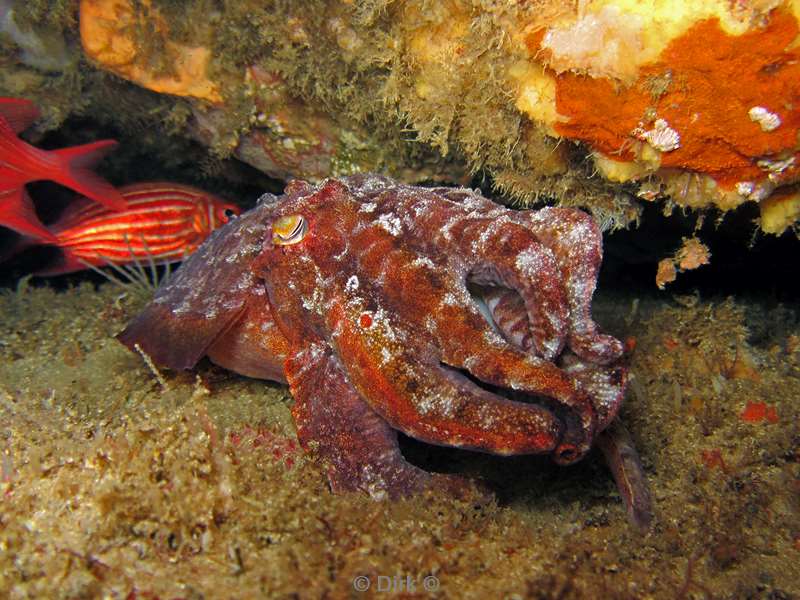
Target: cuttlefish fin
(177, 341)
(201, 302)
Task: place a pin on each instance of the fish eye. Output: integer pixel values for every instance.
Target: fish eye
(224, 214)
(288, 230)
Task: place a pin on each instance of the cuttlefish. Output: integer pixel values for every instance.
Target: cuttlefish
(430, 311)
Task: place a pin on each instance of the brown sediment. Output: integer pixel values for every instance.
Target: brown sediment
(111, 485)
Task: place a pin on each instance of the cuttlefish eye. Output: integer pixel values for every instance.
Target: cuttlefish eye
(289, 230)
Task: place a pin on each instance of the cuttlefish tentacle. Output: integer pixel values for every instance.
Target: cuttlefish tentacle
(429, 401)
(577, 245)
(505, 254)
(438, 298)
(606, 386)
(359, 447)
(366, 293)
(626, 467)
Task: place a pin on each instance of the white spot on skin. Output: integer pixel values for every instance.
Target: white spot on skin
(551, 348)
(386, 356)
(308, 358)
(423, 261)
(421, 208)
(391, 223)
(430, 324)
(437, 401)
(245, 281)
(768, 121)
(479, 244)
(529, 263)
(339, 257)
(450, 299)
(445, 231)
(493, 339)
(315, 303)
(352, 284)
(381, 318)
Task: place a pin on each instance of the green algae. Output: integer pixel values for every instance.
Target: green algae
(114, 483)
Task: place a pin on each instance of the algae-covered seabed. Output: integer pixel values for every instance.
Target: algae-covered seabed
(117, 484)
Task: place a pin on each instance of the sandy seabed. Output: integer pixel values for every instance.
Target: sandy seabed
(119, 482)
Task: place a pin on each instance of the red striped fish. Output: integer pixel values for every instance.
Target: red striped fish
(164, 222)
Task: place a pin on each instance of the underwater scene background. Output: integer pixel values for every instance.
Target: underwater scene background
(674, 125)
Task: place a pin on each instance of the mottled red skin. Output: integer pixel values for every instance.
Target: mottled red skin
(374, 318)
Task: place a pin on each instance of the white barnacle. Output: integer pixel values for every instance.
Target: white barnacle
(776, 165)
(768, 121)
(661, 137)
(745, 188)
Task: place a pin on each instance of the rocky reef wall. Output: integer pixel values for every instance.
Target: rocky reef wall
(605, 104)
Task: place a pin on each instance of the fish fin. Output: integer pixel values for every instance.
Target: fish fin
(73, 171)
(75, 213)
(17, 213)
(19, 113)
(19, 245)
(253, 346)
(67, 262)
